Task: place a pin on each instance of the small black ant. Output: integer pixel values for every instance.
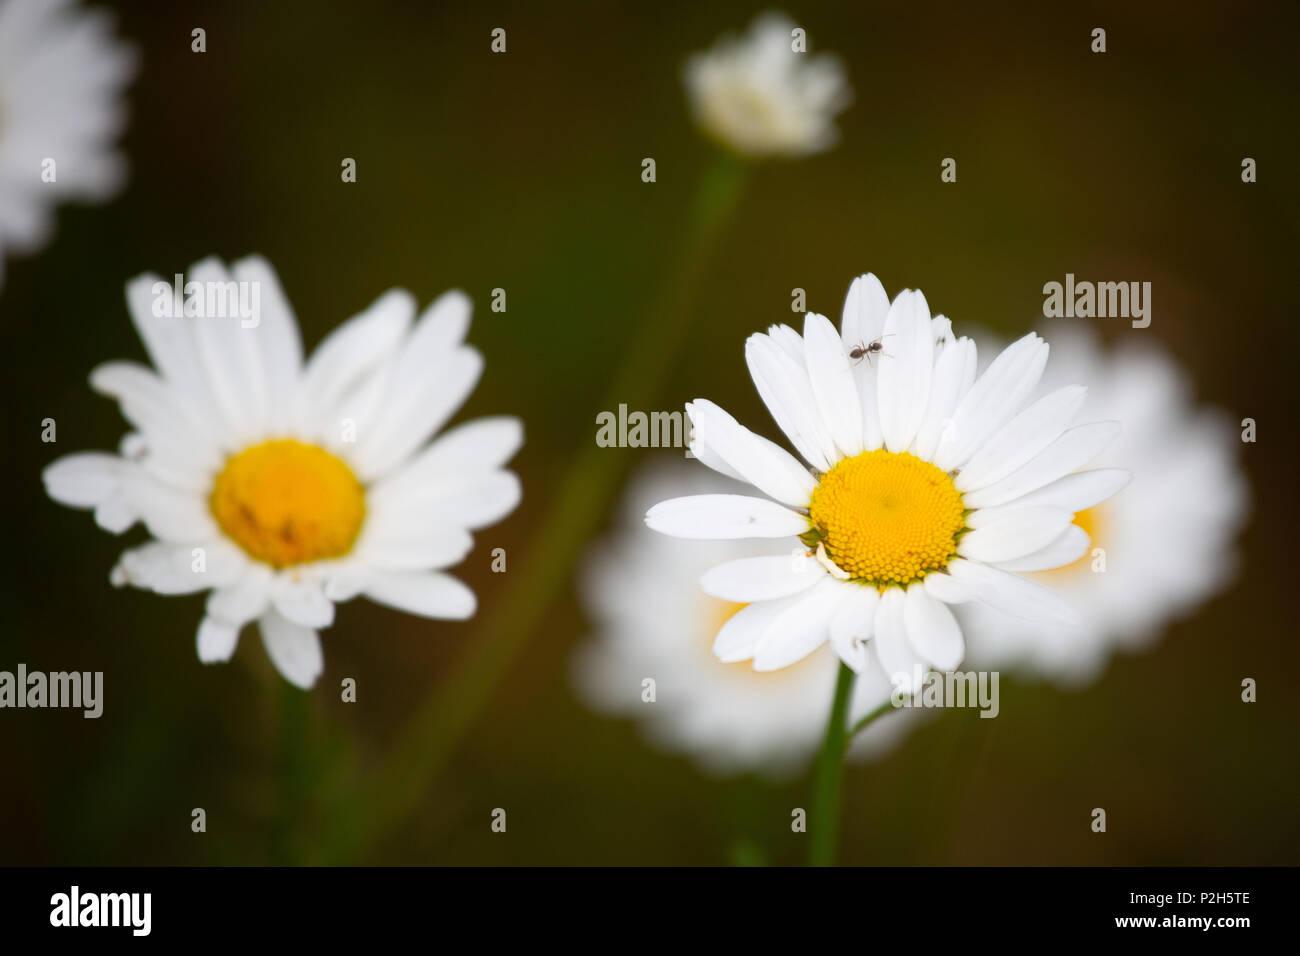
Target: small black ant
(874, 347)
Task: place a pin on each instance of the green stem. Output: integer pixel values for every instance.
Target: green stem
(861, 725)
(434, 731)
(824, 817)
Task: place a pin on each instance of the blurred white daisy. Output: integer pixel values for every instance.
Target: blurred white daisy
(62, 73)
(759, 97)
(928, 487)
(652, 622)
(1167, 539)
(285, 486)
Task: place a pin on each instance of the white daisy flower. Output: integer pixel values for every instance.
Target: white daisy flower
(652, 622)
(759, 97)
(928, 487)
(1167, 539)
(61, 80)
(284, 486)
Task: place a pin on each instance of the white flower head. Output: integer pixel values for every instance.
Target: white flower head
(283, 486)
(760, 97)
(61, 79)
(652, 623)
(925, 485)
(1160, 547)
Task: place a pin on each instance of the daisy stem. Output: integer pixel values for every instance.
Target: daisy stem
(439, 722)
(824, 816)
(864, 721)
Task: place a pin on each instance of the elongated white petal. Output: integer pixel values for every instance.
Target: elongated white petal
(426, 593)
(954, 373)
(1077, 492)
(932, 630)
(800, 629)
(905, 369)
(294, 650)
(1014, 595)
(992, 400)
(244, 599)
(946, 588)
(1069, 546)
(783, 385)
(725, 516)
(84, 479)
(900, 663)
(280, 343)
(740, 635)
(833, 385)
(763, 464)
(764, 578)
(216, 640)
(1012, 533)
(355, 348)
(412, 548)
(302, 601)
(852, 626)
(474, 447)
(231, 358)
(865, 308)
(1073, 450)
(1020, 439)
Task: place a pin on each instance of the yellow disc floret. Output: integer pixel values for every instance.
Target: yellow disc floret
(285, 502)
(887, 518)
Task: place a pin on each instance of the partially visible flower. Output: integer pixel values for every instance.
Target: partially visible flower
(285, 486)
(652, 622)
(927, 487)
(759, 97)
(61, 79)
(1167, 540)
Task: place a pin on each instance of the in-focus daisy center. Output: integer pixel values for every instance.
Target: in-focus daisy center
(886, 518)
(285, 502)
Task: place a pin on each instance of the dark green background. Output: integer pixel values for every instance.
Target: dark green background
(523, 171)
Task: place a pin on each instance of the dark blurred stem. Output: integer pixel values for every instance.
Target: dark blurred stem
(450, 708)
(290, 763)
(824, 816)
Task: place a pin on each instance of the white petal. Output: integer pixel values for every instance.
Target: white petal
(426, 593)
(992, 400)
(724, 516)
(216, 640)
(853, 625)
(1069, 546)
(900, 664)
(905, 370)
(475, 447)
(1003, 535)
(949, 590)
(280, 343)
(761, 463)
(764, 578)
(865, 308)
(243, 600)
(350, 351)
(800, 629)
(833, 384)
(740, 635)
(85, 479)
(1078, 491)
(783, 385)
(301, 601)
(1070, 452)
(397, 546)
(1022, 438)
(1014, 595)
(294, 650)
(954, 373)
(932, 630)
(231, 359)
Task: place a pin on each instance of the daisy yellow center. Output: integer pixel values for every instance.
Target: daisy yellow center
(285, 502)
(886, 518)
